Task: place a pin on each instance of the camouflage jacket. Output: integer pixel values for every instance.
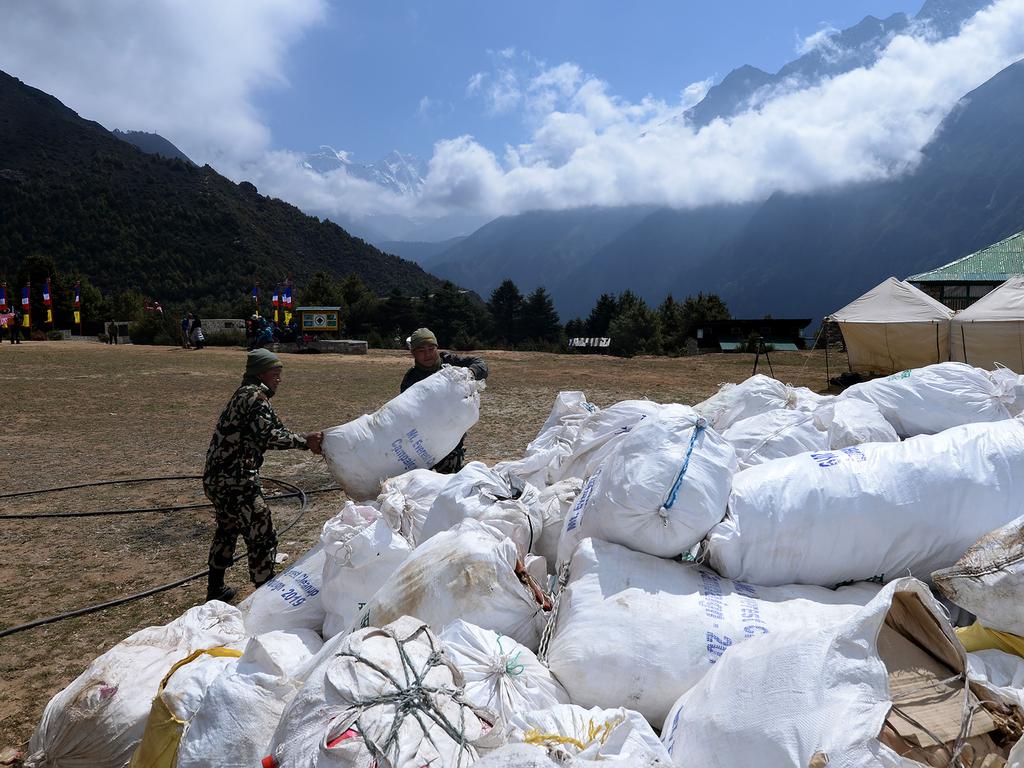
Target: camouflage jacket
(247, 428)
(416, 374)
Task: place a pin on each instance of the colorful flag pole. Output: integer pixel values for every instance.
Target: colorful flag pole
(78, 306)
(275, 301)
(3, 297)
(26, 306)
(256, 298)
(48, 302)
(288, 302)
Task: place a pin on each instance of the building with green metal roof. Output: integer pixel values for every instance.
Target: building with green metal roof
(962, 282)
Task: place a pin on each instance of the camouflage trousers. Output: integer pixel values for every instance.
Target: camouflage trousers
(452, 463)
(242, 511)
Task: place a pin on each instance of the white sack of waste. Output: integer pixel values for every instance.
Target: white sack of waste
(600, 432)
(413, 431)
(380, 695)
(663, 487)
(290, 600)
(503, 501)
(1002, 672)
(635, 630)
(872, 512)
(556, 501)
(1012, 386)
(774, 435)
(405, 500)
(501, 675)
(98, 720)
(467, 573)
(924, 401)
(988, 580)
(575, 736)
(852, 422)
(877, 690)
(735, 402)
(234, 723)
(541, 464)
(361, 552)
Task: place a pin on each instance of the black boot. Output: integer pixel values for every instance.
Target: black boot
(215, 588)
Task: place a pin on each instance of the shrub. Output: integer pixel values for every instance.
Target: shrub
(55, 336)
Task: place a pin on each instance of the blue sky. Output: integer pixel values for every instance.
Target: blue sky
(357, 79)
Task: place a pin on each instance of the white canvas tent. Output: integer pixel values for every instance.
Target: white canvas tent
(892, 327)
(991, 330)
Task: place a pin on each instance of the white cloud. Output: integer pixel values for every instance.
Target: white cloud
(187, 71)
(820, 39)
(475, 82)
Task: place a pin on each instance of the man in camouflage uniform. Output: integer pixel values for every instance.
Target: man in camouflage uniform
(423, 345)
(246, 429)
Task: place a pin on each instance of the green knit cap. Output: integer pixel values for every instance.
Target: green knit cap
(260, 361)
(422, 337)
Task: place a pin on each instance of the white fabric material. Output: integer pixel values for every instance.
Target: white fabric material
(1011, 385)
(503, 501)
(624, 737)
(541, 464)
(894, 326)
(466, 573)
(555, 503)
(756, 395)
(186, 689)
(345, 692)
(98, 720)
(501, 675)
(991, 330)
(850, 422)
(639, 630)
(928, 400)
(361, 552)
(875, 511)
(774, 435)
(233, 725)
(600, 432)
(787, 697)
(988, 580)
(641, 497)
(412, 431)
(1003, 673)
(290, 600)
(405, 500)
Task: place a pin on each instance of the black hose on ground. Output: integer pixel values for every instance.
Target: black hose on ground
(295, 491)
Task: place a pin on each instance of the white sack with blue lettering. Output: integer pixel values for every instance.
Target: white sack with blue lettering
(600, 432)
(874, 511)
(412, 431)
(290, 600)
(775, 435)
(638, 631)
(662, 489)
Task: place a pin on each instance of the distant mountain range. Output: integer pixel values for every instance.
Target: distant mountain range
(72, 190)
(398, 173)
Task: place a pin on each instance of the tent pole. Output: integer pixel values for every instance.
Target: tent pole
(824, 328)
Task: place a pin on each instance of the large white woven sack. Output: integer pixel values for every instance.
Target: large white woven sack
(635, 630)
(924, 401)
(234, 723)
(412, 431)
(290, 600)
(556, 501)
(98, 720)
(875, 511)
(820, 696)
(361, 552)
(661, 490)
(576, 736)
(501, 675)
(774, 435)
(501, 500)
(988, 580)
(469, 573)
(850, 422)
(406, 500)
(1012, 386)
(386, 696)
(600, 432)
(541, 464)
(756, 395)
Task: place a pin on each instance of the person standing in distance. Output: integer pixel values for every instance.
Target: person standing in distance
(423, 345)
(247, 428)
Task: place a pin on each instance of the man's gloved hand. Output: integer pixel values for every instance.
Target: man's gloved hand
(314, 440)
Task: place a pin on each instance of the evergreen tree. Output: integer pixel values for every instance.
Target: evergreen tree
(701, 308)
(322, 291)
(636, 329)
(358, 306)
(452, 316)
(673, 326)
(506, 309)
(601, 315)
(575, 328)
(397, 317)
(540, 319)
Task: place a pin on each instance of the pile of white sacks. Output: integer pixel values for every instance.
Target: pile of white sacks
(743, 582)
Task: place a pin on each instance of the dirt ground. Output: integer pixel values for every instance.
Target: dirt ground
(77, 412)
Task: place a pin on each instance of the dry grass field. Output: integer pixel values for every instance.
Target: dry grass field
(81, 411)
